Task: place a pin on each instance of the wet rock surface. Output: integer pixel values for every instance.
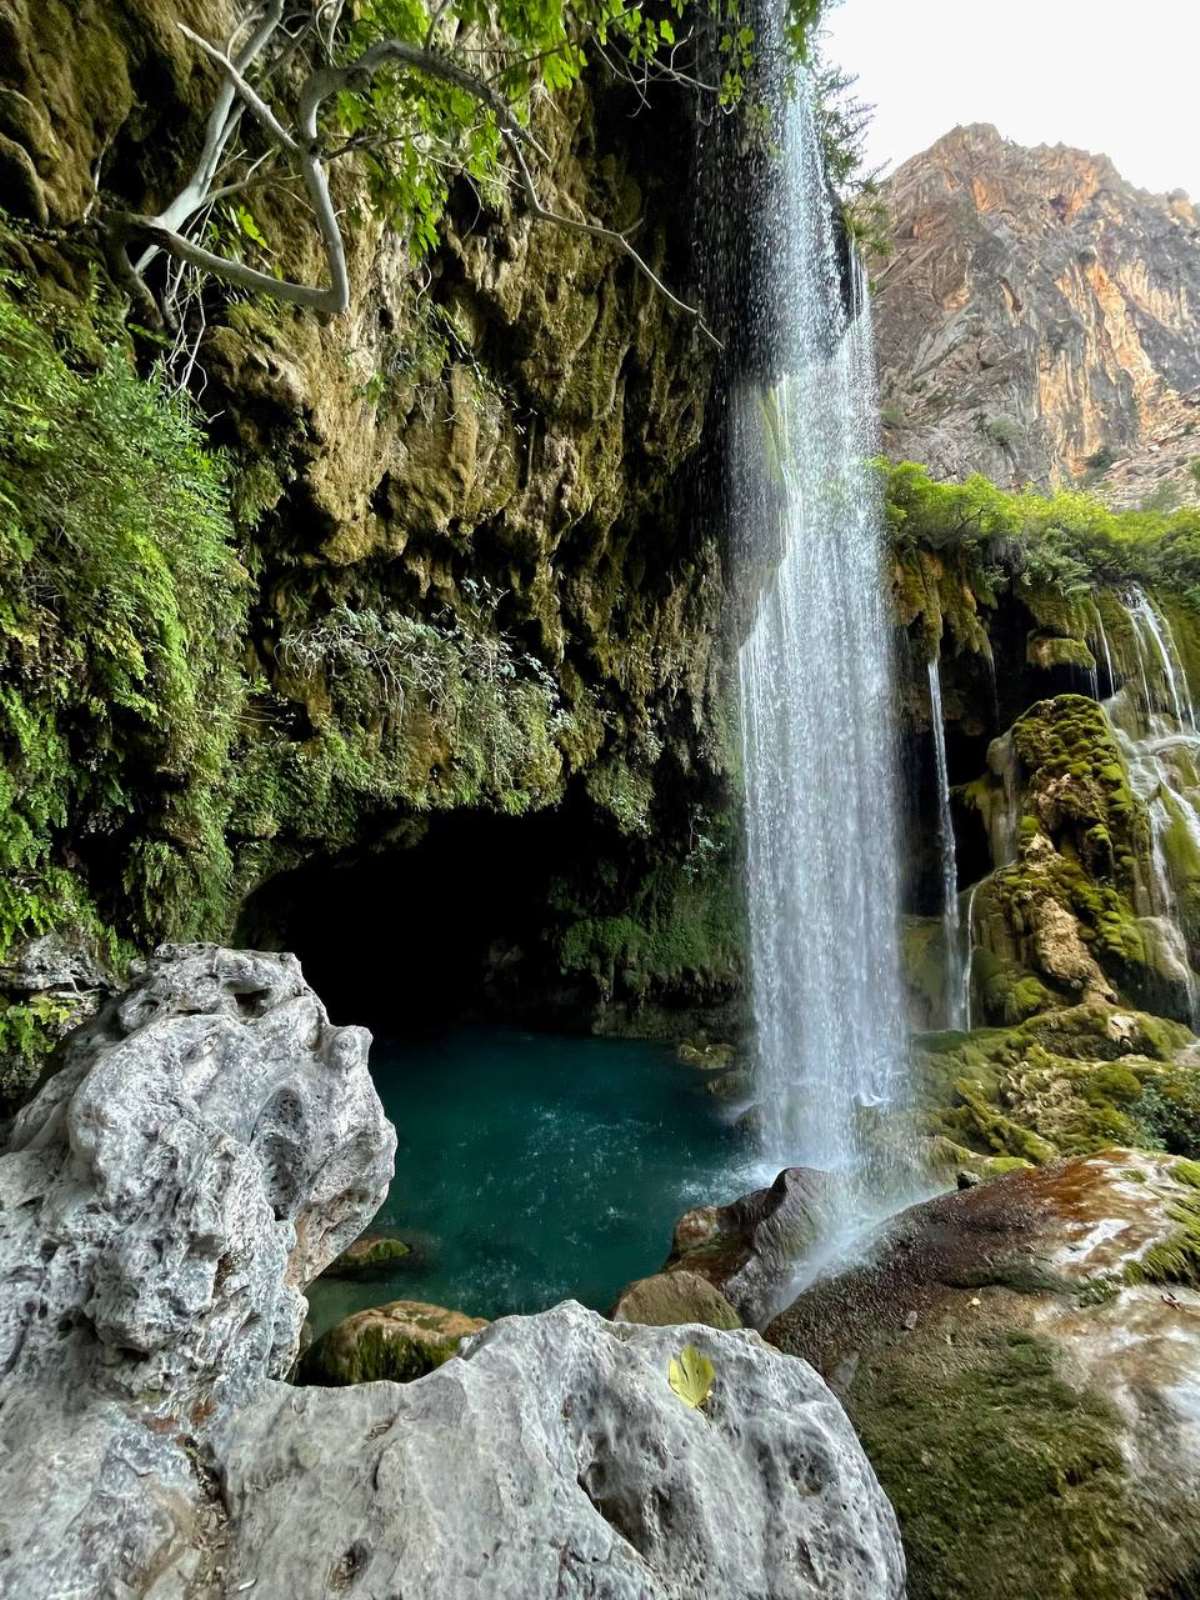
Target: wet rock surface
(1020, 1359)
(749, 1248)
(670, 1298)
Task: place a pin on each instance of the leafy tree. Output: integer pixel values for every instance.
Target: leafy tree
(420, 92)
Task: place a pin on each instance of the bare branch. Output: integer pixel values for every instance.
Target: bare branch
(304, 148)
(259, 106)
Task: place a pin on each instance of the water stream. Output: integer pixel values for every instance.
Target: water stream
(956, 959)
(817, 715)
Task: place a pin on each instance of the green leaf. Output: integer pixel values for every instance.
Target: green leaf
(245, 221)
(691, 1376)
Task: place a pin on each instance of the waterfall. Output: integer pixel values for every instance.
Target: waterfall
(817, 716)
(950, 932)
(1156, 735)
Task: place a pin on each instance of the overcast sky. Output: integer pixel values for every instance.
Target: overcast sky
(1122, 79)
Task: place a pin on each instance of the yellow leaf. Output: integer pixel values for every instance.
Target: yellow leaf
(691, 1376)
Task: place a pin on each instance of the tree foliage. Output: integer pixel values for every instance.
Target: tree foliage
(1068, 540)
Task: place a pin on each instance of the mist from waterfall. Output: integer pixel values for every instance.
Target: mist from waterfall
(817, 709)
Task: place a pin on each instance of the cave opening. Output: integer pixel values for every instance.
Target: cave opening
(446, 922)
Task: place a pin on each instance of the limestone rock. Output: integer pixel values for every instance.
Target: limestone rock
(552, 1458)
(670, 1298)
(58, 982)
(208, 1145)
(1021, 1361)
(748, 1249)
(402, 1340)
(1037, 320)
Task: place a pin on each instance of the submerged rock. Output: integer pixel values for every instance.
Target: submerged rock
(1022, 1363)
(402, 1340)
(553, 1458)
(670, 1298)
(210, 1144)
(749, 1248)
(369, 1256)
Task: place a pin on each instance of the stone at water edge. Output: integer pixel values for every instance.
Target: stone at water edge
(670, 1298)
(399, 1341)
(1022, 1362)
(553, 1458)
(748, 1249)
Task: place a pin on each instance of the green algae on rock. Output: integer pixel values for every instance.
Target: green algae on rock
(1062, 1082)
(670, 1298)
(396, 1342)
(1006, 1360)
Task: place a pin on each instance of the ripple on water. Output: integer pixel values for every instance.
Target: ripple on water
(536, 1167)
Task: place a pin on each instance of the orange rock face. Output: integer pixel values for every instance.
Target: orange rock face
(1038, 322)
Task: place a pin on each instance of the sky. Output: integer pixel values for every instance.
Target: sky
(1119, 79)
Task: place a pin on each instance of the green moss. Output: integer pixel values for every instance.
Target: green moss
(1064, 1080)
(121, 613)
(375, 1355)
(1008, 1481)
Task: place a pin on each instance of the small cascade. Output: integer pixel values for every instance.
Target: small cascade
(968, 967)
(1157, 653)
(950, 926)
(1102, 635)
(1153, 721)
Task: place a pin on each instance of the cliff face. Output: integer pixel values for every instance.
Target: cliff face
(1038, 321)
(475, 582)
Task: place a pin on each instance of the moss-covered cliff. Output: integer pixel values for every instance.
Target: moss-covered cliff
(443, 555)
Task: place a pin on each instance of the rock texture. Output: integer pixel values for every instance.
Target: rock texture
(208, 1146)
(554, 1459)
(209, 1143)
(749, 1248)
(1021, 1361)
(1037, 321)
(670, 1298)
(401, 1340)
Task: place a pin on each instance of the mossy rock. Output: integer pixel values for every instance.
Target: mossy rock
(1005, 1367)
(1065, 1082)
(671, 1298)
(371, 1255)
(397, 1342)
(1046, 651)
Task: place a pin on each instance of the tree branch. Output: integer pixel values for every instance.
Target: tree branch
(303, 147)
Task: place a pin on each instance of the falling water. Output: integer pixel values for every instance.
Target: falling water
(950, 932)
(1108, 663)
(817, 716)
(968, 967)
(1156, 641)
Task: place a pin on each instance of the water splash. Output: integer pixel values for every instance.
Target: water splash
(951, 941)
(817, 713)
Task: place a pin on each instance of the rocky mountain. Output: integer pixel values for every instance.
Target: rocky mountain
(1038, 321)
